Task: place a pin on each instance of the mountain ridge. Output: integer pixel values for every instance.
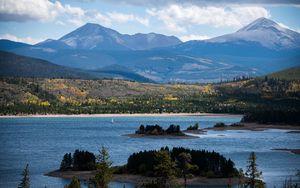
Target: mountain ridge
(192, 61)
(94, 36)
(266, 32)
(13, 65)
(21, 66)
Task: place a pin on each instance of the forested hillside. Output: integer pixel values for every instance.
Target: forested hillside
(288, 74)
(74, 96)
(21, 66)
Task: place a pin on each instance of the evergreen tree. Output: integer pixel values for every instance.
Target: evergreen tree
(75, 183)
(185, 166)
(66, 163)
(25, 182)
(165, 169)
(252, 173)
(104, 172)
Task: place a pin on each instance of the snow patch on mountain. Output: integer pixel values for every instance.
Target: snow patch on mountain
(266, 32)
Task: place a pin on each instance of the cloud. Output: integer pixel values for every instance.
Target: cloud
(287, 27)
(77, 22)
(47, 11)
(284, 26)
(161, 3)
(44, 11)
(28, 10)
(124, 18)
(177, 18)
(58, 22)
(95, 16)
(27, 40)
(193, 37)
(75, 11)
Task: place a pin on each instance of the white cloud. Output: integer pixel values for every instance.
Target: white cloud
(123, 18)
(143, 21)
(24, 10)
(193, 37)
(76, 11)
(287, 27)
(283, 25)
(161, 3)
(95, 16)
(27, 40)
(77, 22)
(48, 11)
(183, 16)
(58, 22)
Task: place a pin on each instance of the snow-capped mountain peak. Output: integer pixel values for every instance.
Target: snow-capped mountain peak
(259, 24)
(93, 36)
(265, 32)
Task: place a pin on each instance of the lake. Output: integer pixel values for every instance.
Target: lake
(42, 142)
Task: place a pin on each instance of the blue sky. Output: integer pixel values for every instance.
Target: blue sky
(32, 21)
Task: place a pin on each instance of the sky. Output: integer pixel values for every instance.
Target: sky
(32, 21)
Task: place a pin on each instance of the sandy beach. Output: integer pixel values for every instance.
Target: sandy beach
(115, 115)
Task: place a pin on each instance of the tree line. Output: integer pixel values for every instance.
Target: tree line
(267, 116)
(80, 160)
(169, 165)
(158, 130)
(209, 164)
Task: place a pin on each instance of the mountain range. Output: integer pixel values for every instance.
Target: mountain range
(259, 48)
(96, 37)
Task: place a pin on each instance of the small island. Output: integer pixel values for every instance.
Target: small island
(195, 129)
(156, 131)
(147, 168)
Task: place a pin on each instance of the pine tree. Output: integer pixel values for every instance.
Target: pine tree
(185, 166)
(75, 183)
(104, 173)
(25, 182)
(66, 163)
(164, 169)
(253, 174)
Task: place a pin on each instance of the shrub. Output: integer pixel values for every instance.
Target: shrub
(210, 174)
(219, 125)
(193, 127)
(236, 125)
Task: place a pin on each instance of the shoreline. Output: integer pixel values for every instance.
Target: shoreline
(161, 136)
(294, 151)
(257, 127)
(115, 115)
(135, 179)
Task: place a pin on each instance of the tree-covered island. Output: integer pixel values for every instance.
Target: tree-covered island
(154, 168)
(157, 131)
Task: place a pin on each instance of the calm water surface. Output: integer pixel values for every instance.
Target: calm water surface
(42, 142)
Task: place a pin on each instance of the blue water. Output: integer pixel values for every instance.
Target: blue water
(42, 142)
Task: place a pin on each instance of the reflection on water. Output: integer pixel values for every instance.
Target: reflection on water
(42, 142)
